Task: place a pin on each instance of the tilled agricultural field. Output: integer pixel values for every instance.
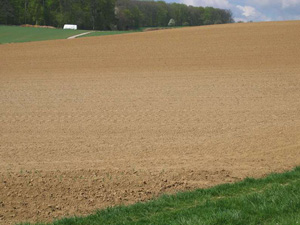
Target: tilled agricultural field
(95, 122)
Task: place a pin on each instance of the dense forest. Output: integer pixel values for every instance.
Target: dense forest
(108, 14)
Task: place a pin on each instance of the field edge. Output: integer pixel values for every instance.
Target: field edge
(274, 198)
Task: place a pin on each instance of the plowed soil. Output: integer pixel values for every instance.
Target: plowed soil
(95, 122)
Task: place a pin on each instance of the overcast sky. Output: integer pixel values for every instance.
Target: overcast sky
(256, 10)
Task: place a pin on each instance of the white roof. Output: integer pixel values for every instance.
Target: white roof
(70, 26)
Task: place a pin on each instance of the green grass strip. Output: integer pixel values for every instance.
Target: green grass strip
(17, 34)
(271, 200)
(14, 34)
(104, 33)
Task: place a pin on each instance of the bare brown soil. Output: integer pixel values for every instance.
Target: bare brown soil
(37, 26)
(156, 28)
(90, 123)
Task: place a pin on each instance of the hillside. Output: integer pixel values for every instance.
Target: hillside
(99, 121)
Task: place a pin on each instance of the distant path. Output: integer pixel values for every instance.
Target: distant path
(78, 35)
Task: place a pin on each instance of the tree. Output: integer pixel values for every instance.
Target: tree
(171, 23)
(6, 12)
(108, 14)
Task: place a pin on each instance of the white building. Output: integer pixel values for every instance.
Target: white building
(70, 26)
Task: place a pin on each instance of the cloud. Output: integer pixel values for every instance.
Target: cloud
(224, 4)
(241, 13)
(278, 9)
(289, 3)
(238, 19)
(256, 10)
(283, 4)
(262, 3)
(247, 10)
(252, 13)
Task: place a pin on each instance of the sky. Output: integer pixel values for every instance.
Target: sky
(255, 10)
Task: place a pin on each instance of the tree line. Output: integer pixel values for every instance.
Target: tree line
(108, 14)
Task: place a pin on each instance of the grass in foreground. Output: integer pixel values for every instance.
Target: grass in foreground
(271, 200)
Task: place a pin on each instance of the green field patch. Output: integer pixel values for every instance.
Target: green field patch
(13, 34)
